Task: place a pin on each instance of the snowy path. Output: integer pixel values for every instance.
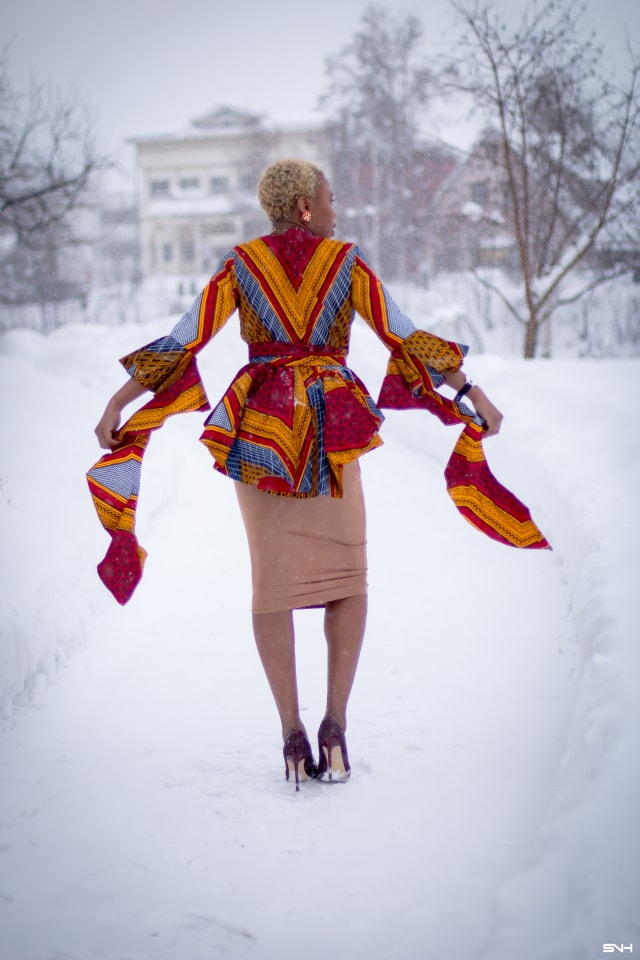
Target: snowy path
(144, 813)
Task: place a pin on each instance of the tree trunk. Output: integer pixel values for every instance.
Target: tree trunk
(531, 336)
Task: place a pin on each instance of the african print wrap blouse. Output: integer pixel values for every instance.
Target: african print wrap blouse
(295, 413)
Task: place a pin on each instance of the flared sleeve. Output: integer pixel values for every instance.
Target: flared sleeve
(414, 371)
(168, 368)
(162, 363)
(418, 356)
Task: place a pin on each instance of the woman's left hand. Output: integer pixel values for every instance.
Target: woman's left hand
(485, 409)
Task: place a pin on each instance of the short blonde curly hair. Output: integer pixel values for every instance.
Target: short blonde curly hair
(283, 183)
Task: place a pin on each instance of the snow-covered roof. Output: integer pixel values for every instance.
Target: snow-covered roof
(200, 206)
(227, 121)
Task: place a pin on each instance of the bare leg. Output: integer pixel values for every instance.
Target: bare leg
(344, 623)
(275, 640)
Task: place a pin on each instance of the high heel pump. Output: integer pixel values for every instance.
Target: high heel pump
(298, 758)
(333, 761)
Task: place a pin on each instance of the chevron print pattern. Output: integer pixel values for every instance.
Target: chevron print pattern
(295, 414)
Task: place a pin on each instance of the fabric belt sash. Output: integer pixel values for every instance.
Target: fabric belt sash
(288, 352)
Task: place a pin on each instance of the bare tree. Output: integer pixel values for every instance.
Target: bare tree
(48, 157)
(378, 87)
(568, 146)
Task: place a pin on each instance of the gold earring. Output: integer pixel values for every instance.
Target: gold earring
(306, 216)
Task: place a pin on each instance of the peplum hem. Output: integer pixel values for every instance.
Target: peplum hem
(290, 420)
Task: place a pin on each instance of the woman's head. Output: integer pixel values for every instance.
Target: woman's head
(297, 190)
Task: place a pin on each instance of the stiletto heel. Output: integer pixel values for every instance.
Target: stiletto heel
(333, 762)
(298, 758)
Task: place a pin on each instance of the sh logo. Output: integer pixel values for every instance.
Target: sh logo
(617, 948)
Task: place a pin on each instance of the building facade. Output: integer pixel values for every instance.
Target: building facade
(198, 188)
(469, 214)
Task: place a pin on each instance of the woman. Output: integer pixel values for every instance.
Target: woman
(289, 432)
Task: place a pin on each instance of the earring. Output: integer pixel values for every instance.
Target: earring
(305, 216)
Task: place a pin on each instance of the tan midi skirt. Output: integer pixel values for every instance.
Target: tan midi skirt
(305, 552)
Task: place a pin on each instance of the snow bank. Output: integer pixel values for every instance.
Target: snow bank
(493, 809)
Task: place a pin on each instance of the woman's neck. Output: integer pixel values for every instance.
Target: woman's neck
(283, 225)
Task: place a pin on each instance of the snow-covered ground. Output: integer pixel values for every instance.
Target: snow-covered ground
(493, 811)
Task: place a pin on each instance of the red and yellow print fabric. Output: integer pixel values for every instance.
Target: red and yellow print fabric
(295, 414)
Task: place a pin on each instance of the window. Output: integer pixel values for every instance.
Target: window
(189, 183)
(492, 256)
(480, 193)
(187, 250)
(167, 252)
(218, 184)
(159, 188)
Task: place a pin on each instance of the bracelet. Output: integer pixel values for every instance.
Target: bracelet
(463, 391)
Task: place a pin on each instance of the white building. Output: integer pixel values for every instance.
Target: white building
(198, 187)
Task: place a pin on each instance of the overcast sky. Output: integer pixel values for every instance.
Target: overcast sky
(145, 66)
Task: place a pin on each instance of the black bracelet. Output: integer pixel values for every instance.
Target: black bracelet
(463, 391)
